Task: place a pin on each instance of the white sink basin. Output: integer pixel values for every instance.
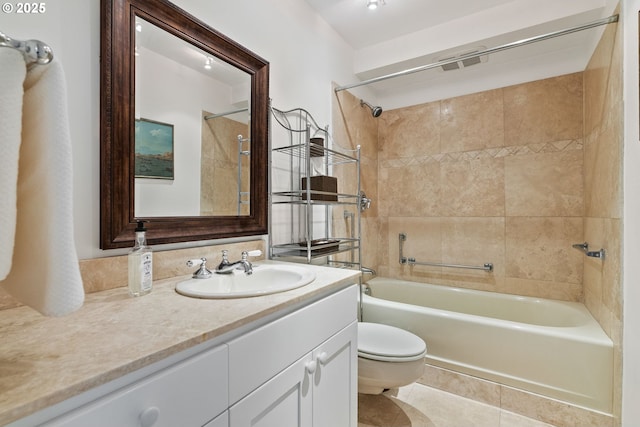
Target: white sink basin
(266, 279)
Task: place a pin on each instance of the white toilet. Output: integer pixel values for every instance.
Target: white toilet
(388, 357)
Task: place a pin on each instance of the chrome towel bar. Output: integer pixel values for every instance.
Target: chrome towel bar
(35, 52)
(488, 267)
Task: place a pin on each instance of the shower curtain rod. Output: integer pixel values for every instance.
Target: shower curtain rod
(226, 113)
(523, 42)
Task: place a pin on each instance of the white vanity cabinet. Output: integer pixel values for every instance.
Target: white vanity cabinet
(315, 391)
(335, 381)
(295, 369)
(300, 370)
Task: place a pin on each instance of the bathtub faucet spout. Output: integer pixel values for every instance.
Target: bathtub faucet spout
(368, 270)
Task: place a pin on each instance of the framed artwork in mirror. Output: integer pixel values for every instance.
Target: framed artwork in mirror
(153, 149)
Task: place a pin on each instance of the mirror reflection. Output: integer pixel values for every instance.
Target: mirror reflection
(192, 129)
(152, 81)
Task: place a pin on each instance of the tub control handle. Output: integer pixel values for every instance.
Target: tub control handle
(584, 247)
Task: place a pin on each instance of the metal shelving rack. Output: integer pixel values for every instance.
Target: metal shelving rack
(301, 227)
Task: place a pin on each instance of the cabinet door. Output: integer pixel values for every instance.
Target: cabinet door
(283, 401)
(335, 380)
(259, 355)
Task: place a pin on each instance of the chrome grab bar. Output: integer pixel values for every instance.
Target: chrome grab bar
(584, 247)
(412, 261)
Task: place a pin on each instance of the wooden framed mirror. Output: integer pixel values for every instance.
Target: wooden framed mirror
(122, 112)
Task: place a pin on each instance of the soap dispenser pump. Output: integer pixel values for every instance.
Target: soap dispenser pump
(140, 264)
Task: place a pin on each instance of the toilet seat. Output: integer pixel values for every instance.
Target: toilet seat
(388, 343)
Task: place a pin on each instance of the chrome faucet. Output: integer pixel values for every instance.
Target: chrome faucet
(226, 267)
(203, 272)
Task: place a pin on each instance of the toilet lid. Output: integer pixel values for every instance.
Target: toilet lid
(388, 343)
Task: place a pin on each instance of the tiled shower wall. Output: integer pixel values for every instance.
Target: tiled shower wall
(603, 138)
(220, 148)
(354, 125)
(489, 177)
(512, 176)
(495, 177)
(504, 176)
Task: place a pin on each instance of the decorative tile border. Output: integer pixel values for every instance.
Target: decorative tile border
(487, 153)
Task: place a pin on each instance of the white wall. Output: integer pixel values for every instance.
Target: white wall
(305, 55)
(631, 215)
(71, 28)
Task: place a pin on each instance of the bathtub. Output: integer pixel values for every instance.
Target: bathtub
(553, 348)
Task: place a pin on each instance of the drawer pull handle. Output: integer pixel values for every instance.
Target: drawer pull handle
(323, 358)
(311, 366)
(149, 416)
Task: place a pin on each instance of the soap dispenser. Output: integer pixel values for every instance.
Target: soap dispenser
(140, 264)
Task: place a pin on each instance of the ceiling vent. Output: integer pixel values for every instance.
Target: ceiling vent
(450, 66)
(467, 62)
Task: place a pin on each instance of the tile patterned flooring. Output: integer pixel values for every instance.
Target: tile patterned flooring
(417, 405)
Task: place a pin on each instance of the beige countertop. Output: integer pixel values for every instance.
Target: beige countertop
(44, 361)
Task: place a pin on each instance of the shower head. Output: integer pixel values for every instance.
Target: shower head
(375, 111)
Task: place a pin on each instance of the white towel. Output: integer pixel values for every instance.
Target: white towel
(12, 73)
(45, 273)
